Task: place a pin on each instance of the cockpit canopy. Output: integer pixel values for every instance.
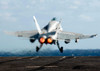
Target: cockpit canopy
(54, 19)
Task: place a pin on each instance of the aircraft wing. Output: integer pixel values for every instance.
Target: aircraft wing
(29, 34)
(62, 35)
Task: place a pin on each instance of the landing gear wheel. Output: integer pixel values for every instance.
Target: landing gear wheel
(37, 49)
(61, 49)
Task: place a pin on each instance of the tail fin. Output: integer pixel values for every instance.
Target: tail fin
(37, 25)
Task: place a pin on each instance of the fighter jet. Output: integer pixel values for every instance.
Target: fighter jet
(52, 33)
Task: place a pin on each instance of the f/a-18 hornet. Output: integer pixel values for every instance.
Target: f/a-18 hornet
(51, 34)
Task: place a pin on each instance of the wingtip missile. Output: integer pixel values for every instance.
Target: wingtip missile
(93, 35)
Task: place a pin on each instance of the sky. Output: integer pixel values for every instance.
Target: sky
(80, 16)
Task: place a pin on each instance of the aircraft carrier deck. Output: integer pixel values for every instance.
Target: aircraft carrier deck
(53, 63)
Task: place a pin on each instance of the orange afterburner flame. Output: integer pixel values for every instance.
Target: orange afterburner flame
(42, 40)
(49, 40)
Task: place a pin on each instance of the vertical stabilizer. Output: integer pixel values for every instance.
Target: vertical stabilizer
(37, 25)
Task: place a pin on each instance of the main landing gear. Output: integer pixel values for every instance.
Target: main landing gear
(38, 48)
(60, 48)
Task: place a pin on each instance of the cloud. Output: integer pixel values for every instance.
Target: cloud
(33, 2)
(77, 2)
(85, 17)
(42, 1)
(73, 7)
(58, 14)
(94, 3)
(7, 16)
(4, 2)
(28, 6)
(0, 14)
(4, 5)
(12, 19)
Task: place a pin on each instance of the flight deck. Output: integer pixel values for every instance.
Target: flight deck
(50, 63)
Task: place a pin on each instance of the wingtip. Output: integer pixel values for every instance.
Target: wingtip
(8, 33)
(93, 35)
